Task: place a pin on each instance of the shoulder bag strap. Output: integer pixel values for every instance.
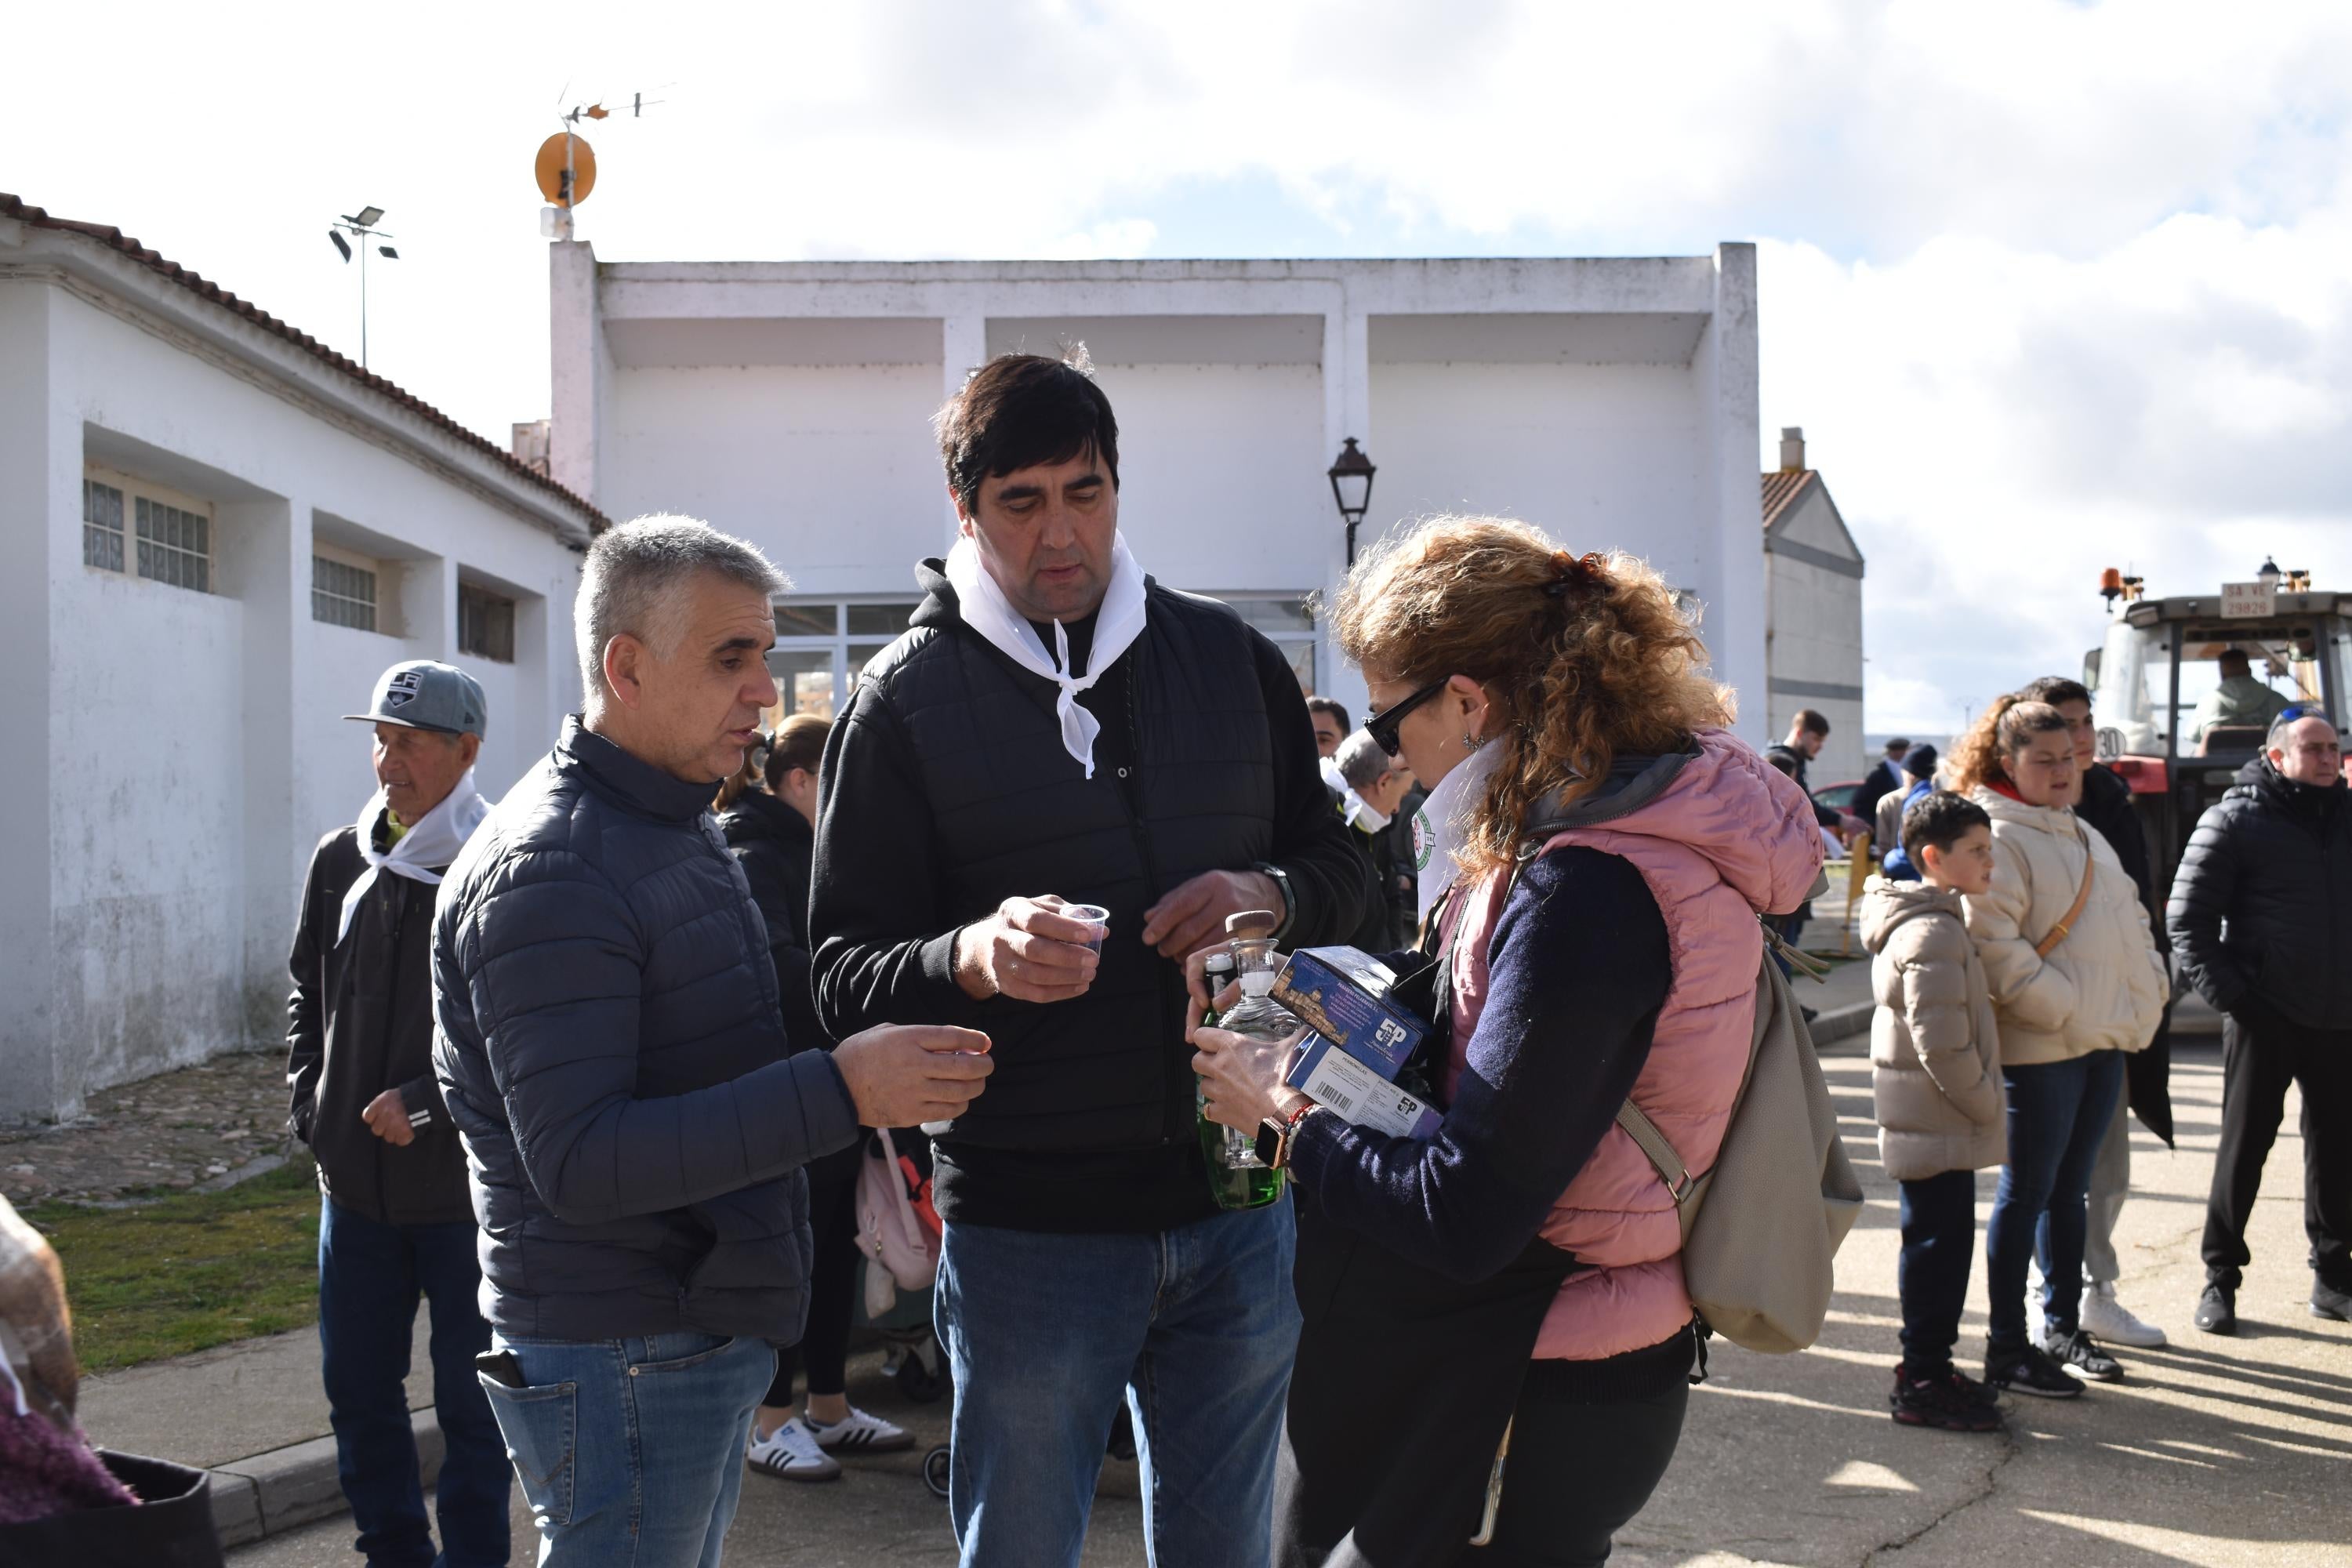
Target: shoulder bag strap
(2049, 943)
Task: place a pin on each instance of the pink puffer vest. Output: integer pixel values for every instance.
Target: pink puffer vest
(1724, 838)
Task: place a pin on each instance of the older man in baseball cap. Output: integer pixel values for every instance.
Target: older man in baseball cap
(396, 1222)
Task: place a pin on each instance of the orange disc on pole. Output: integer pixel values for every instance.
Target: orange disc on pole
(552, 162)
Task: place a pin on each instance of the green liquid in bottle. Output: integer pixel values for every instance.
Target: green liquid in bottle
(1236, 1180)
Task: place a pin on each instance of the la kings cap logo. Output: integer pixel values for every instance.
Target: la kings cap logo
(402, 686)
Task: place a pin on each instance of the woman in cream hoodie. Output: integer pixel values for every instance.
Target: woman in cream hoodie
(2075, 985)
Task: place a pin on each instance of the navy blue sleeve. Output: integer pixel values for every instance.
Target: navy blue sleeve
(1578, 971)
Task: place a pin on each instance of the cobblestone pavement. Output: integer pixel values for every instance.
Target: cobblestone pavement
(194, 1127)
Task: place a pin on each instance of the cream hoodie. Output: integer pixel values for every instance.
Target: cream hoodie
(2102, 989)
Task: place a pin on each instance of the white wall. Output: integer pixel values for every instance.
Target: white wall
(1816, 626)
(190, 756)
(829, 468)
(1599, 456)
(1214, 493)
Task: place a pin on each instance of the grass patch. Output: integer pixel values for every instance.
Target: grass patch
(190, 1271)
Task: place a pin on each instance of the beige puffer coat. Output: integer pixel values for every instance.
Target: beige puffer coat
(2105, 986)
(1935, 1047)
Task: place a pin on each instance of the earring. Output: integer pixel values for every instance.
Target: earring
(1471, 742)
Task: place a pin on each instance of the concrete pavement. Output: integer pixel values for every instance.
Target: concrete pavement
(2214, 1451)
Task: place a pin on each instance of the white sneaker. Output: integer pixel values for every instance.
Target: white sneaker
(2105, 1318)
(791, 1453)
(860, 1433)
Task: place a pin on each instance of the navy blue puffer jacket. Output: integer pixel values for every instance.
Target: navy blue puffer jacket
(609, 1044)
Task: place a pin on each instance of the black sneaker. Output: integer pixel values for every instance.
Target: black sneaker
(1976, 1391)
(2081, 1354)
(1943, 1403)
(2327, 1301)
(2217, 1310)
(2028, 1371)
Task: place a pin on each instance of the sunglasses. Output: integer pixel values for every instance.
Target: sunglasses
(1383, 726)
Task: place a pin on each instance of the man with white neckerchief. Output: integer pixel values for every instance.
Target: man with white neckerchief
(395, 1222)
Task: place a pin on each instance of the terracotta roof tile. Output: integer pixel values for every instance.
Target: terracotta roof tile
(116, 240)
(1783, 487)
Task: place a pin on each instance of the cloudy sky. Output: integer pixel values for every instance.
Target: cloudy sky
(2049, 286)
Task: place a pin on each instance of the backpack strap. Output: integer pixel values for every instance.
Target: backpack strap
(1663, 1158)
(2049, 943)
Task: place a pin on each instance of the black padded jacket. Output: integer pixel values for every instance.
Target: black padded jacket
(946, 790)
(2261, 913)
(610, 1047)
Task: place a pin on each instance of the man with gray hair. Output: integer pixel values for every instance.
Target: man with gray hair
(1372, 784)
(611, 1050)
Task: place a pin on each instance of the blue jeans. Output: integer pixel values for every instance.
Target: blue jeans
(370, 1276)
(2058, 1116)
(631, 1451)
(1194, 1327)
(1939, 1237)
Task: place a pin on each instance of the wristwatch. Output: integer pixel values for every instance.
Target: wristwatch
(1282, 885)
(1274, 1136)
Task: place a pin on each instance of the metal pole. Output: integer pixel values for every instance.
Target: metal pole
(363, 261)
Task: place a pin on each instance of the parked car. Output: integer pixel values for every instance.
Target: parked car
(1838, 796)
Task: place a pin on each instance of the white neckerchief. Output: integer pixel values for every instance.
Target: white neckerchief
(432, 840)
(1360, 815)
(1439, 825)
(1118, 624)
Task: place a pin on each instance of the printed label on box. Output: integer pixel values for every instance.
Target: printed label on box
(1341, 993)
(1361, 1097)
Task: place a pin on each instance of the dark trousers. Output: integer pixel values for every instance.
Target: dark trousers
(2258, 1061)
(370, 1276)
(2058, 1116)
(1578, 1473)
(824, 1348)
(1939, 1237)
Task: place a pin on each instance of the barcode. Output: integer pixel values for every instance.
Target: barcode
(1337, 1100)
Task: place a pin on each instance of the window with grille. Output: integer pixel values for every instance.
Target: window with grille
(342, 594)
(485, 624)
(101, 525)
(174, 545)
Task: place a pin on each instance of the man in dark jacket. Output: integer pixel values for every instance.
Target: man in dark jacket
(1058, 727)
(1372, 787)
(394, 1222)
(611, 1048)
(2262, 919)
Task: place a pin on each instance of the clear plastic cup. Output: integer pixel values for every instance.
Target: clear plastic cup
(1094, 915)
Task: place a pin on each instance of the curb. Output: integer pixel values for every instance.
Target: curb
(1843, 1023)
(269, 1493)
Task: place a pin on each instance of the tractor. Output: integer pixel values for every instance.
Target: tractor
(2162, 657)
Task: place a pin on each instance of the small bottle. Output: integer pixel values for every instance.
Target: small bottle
(1237, 1179)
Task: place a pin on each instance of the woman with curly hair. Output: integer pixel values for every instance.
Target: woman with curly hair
(1614, 845)
(2076, 983)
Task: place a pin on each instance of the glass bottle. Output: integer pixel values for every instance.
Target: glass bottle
(1237, 1179)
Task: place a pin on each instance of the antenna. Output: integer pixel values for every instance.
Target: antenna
(362, 226)
(566, 165)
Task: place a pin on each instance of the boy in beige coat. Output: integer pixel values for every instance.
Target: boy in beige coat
(1934, 1055)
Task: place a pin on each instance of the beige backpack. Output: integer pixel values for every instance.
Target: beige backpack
(1761, 1228)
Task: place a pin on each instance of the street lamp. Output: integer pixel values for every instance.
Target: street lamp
(1351, 488)
(2268, 576)
(361, 226)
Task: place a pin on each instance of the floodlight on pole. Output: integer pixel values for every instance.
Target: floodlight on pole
(361, 226)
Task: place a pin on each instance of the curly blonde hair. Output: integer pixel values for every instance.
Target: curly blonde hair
(1582, 658)
(2001, 732)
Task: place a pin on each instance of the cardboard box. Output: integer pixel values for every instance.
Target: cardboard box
(1341, 994)
(1330, 1077)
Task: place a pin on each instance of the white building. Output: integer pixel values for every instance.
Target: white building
(222, 532)
(1814, 607)
(1614, 402)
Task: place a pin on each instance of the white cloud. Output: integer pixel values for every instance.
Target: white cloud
(2051, 285)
